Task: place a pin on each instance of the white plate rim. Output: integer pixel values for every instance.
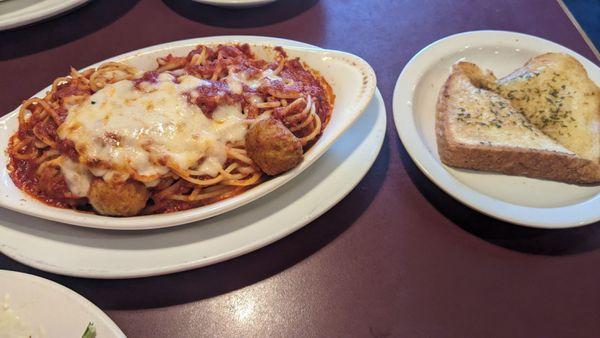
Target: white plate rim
(69, 294)
(198, 262)
(549, 218)
(28, 16)
(158, 221)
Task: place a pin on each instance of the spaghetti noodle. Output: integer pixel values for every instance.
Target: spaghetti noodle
(166, 140)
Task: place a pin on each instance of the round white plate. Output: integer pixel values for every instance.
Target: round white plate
(49, 309)
(15, 13)
(352, 81)
(519, 200)
(236, 3)
(84, 252)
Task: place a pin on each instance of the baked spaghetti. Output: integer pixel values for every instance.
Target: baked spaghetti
(198, 129)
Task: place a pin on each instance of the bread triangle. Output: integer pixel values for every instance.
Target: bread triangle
(555, 93)
(478, 129)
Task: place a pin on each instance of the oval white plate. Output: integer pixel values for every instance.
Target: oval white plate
(520, 200)
(94, 253)
(50, 309)
(236, 3)
(351, 78)
(15, 13)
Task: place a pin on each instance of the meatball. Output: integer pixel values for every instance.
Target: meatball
(118, 199)
(52, 183)
(273, 147)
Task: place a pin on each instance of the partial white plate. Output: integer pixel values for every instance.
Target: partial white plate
(85, 252)
(49, 309)
(15, 13)
(236, 3)
(351, 78)
(519, 200)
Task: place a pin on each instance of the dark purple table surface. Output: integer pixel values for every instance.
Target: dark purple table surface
(397, 257)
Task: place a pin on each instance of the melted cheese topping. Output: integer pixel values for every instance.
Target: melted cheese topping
(236, 80)
(138, 132)
(76, 175)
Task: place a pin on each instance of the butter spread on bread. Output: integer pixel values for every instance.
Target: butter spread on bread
(554, 92)
(476, 128)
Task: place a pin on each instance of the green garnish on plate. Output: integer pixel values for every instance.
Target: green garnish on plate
(90, 331)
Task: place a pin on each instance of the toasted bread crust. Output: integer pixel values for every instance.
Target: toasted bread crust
(507, 160)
